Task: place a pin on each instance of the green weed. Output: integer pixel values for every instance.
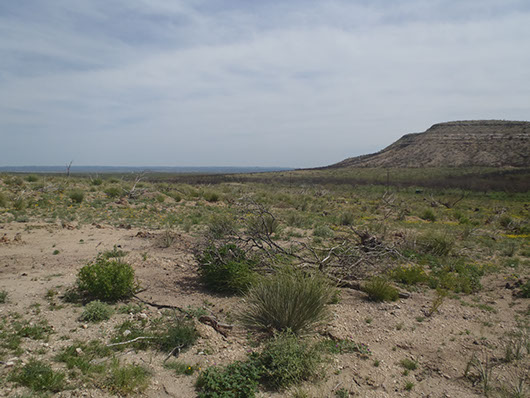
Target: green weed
(379, 289)
(96, 311)
(288, 300)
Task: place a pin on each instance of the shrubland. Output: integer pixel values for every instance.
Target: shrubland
(280, 248)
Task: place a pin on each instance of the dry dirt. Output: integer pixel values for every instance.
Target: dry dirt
(442, 344)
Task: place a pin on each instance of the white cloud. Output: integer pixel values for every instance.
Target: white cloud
(290, 85)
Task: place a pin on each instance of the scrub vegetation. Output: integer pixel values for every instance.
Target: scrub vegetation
(274, 284)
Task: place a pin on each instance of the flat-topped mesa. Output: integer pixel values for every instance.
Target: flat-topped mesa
(488, 143)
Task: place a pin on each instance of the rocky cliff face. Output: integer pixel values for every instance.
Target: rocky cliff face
(490, 143)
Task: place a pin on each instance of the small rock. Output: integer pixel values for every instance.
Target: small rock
(84, 326)
(79, 351)
(127, 332)
(142, 315)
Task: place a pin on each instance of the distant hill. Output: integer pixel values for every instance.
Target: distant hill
(488, 143)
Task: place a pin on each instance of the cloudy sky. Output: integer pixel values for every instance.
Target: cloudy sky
(294, 83)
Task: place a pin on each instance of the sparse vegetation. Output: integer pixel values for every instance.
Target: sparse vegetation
(269, 240)
(107, 280)
(96, 311)
(288, 360)
(287, 300)
(226, 269)
(379, 289)
(39, 376)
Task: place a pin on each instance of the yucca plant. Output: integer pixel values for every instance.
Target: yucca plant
(288, 300)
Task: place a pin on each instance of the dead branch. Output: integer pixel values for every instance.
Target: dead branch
(131, 341)
(162, 306)
(133, 192)
(212, 321)
(68, 167)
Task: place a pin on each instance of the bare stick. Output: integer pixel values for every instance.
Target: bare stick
(131, 341)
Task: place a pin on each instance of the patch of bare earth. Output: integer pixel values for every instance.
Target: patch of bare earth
(442, 344)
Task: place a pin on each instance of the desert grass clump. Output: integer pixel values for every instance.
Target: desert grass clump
(525, 289)
(32, 178)
(288, 360)
(436, 244)
(409, 274)
(236, 380)
(288, 300)
(127, 379)
(409, 364)
(39, 377)
(19, 204)
(428, 215)
(96, 311)
(107, 280)
(180, 334)
(221, 225)
(380, 289)
(114, 192)
(458, 278)
(76, 196)
(3, 296)
(323, 231)
(3, 200)
(226, 269)
(211, 196)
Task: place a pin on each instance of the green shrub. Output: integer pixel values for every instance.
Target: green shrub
(289, 299)
(160, 198)
(114, 192)
(428, 215)
(3, 200)
(32, 178)
(39, 376)
(379, 289)
(525, 290)
(409, 274)
(346, 218)
(505, 222)
(458, 278)
(323, 231)
(114, 253)
(83, 356)
(19, 204)
(211, 196)
(175, 195)
(3, 296)
(435, 244)
(409, 364)
(226, 269)
(181, 333)
(287, 360)
(237, 380)
(96, 311)
(76, 196)
(127, 379)
(221, 225)
(96, 181)
(36, 331)
(107, 280)
(264, 224)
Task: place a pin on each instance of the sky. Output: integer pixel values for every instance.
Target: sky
(290, 83)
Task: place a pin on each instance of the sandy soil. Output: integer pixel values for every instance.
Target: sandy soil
(442, 344)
